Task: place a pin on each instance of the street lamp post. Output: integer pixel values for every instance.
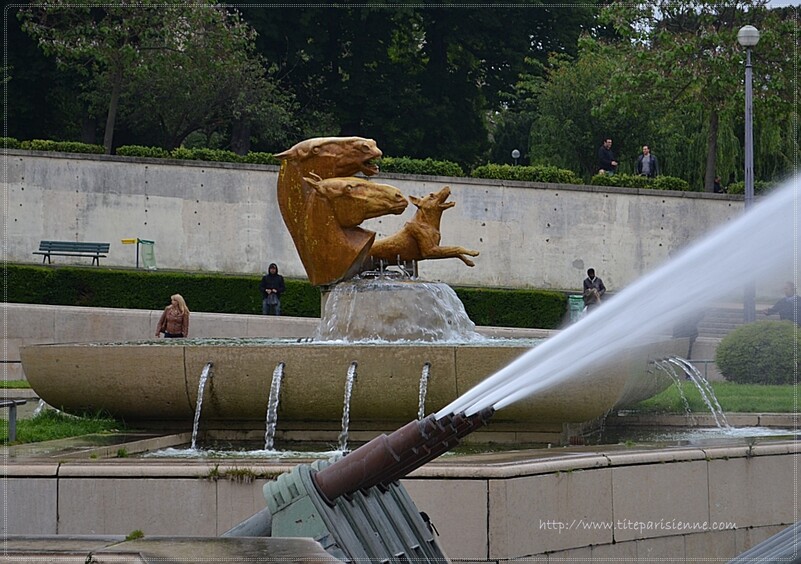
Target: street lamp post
(515, 155)
(748, 37)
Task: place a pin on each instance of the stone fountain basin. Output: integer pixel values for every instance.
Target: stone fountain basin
(157, 381)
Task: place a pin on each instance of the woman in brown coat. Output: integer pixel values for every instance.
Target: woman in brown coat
(174, 322)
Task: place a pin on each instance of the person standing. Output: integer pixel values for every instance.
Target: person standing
(271, 287)
(174, 322)
(787, 307)
(594, 289)
(647, 165)
(606, 159)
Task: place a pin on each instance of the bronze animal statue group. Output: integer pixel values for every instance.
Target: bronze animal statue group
(323, 204)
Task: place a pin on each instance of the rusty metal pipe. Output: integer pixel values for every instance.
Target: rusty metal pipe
(349, 473)
(457, 428)
(388, 458)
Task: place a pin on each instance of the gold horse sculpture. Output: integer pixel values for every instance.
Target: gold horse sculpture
(316, 190)
(322, 205)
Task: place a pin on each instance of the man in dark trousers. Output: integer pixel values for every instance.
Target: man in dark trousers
(647, 165)
(606, 159)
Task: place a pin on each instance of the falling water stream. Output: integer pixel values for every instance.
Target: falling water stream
(272, 406)
(201, 387)
(670, 369)
(343, 436)
(760, 245)
(421, 397)
(704, 388)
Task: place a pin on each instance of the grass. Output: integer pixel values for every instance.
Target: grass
(740, 398)
(14, 384)
(50, 425)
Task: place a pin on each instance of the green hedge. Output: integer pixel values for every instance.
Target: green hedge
(537, 173)
(429, 167)
(139, 289)
(514, 308)
(760, 353)
(760, 187)
(636, 181)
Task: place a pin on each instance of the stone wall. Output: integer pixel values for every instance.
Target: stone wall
(224, 218)
(681, 504)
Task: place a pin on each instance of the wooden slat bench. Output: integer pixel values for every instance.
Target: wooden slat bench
(72, 249)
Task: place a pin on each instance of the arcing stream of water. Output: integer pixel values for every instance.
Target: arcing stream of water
(761, 243)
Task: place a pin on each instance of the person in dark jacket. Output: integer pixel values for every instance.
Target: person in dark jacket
(647, 165)
(271, 287)
(787, 307)
(606, 159)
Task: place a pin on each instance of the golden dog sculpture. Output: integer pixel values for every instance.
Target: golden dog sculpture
(419, 238)
(322, 209)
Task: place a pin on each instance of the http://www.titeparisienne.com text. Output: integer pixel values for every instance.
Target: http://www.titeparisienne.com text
(628, 524)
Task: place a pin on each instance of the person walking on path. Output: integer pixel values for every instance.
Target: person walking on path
(594, 289)
(271, 287)
(174, 322)
(606, 159)
(647, 165)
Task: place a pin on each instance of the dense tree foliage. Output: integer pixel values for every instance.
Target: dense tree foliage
(453, 83)
(421, 80)
(684, 54)
(170, 68)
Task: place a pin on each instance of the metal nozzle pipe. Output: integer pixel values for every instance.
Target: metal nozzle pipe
(388, 458)
(455, 430)
(349, 473)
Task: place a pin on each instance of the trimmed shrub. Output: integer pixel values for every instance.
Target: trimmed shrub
(428, 167)
(670, 183)
(760, 187)
(641, 182)
(536, 173)
(140, 151)
(261, 158)
(61, 146)
(513, 308)
(213, 155)
(9, 143)
(221, 293)
(759, 353)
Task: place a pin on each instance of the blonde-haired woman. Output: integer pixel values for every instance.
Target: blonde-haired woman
(174, 322)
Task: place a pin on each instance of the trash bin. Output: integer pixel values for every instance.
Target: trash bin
(575, 307)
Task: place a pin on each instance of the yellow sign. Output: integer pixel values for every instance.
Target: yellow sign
(129, 241)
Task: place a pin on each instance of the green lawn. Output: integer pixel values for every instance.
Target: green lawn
(50, 425)
(742, 398)
(15, 384)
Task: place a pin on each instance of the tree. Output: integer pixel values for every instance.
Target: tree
(206, 77)
(186, 66)
(572, 115)
(102, 44)
(421, 79)
(685, 53)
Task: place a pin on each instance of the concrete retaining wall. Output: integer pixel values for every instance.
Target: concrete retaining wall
(682, 504)
(224, 218)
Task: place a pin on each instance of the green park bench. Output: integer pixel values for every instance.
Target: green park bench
(72, 249)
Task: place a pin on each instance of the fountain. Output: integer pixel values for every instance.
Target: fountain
(536, 389)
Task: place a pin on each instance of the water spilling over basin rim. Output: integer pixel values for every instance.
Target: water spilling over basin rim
(151, 381)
